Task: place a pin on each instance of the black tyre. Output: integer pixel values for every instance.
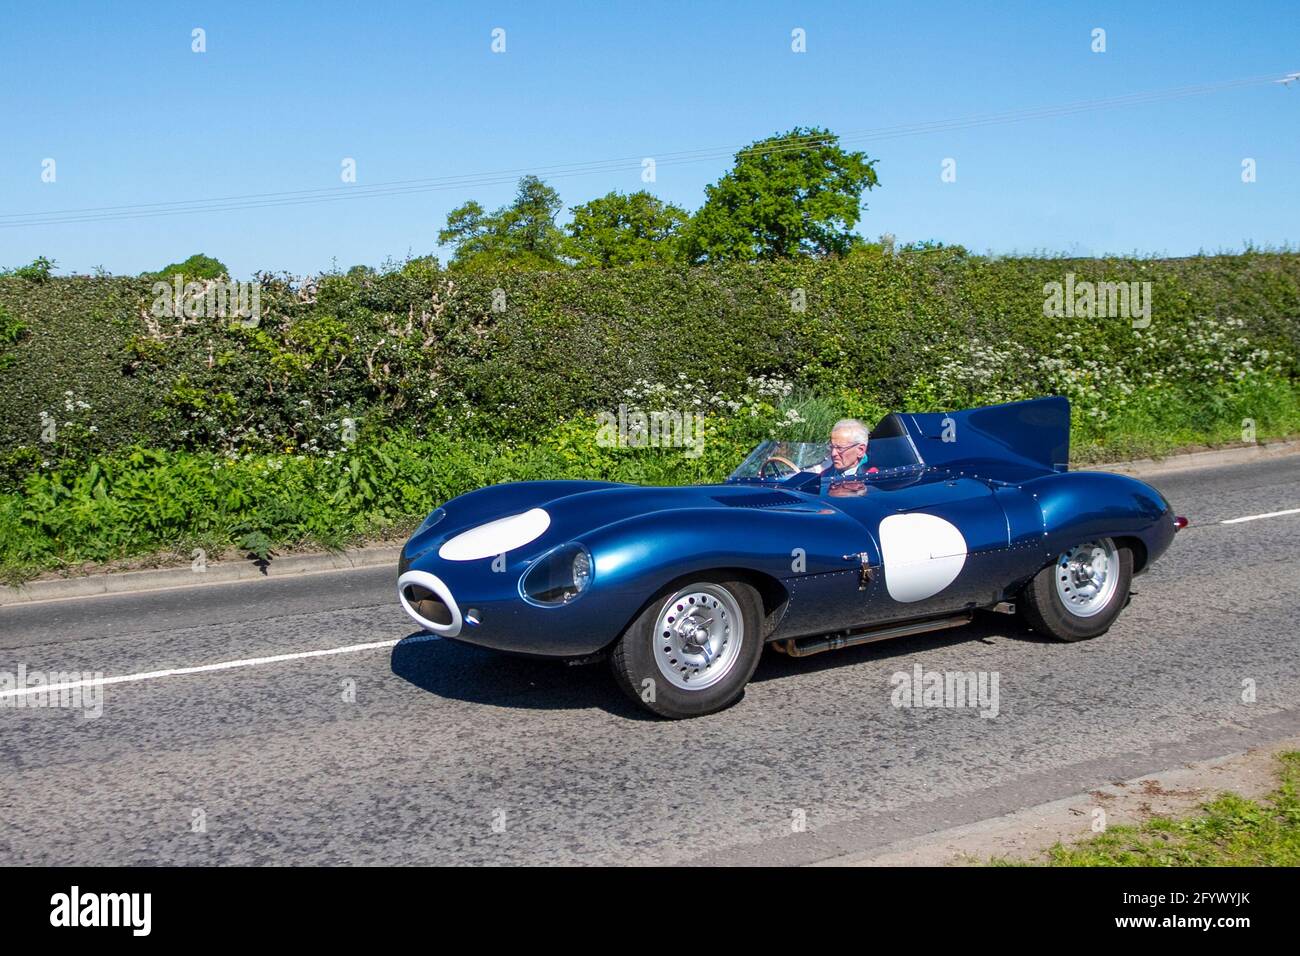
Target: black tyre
(693, 648)
(1079, 595)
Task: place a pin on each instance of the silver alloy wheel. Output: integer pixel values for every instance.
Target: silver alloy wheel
(698, 635)
(1086, 577)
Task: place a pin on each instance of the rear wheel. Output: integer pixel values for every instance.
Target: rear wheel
(692, 650)
(1079, 595)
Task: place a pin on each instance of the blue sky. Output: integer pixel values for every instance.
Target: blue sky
(113, 93)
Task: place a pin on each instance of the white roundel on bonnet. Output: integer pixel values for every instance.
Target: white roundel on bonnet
(496, 537)
(922, 553)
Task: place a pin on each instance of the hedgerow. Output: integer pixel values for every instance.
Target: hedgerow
(357, 402)
(418, 348)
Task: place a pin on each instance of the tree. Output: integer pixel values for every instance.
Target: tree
(618, 230)
(522, 234)
(194, 269)
(38, 270)
(798, 193)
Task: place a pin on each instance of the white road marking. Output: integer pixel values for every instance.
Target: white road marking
(201, 669)
(327, 652)
(1271, 514)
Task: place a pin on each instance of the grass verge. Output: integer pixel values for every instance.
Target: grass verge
(1229, 830)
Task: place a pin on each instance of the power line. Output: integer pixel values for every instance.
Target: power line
(567, 170)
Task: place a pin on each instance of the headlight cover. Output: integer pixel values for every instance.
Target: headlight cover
(558, 577)
(437, 515)
(416, 543)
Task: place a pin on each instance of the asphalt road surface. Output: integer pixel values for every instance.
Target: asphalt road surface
(426, 751)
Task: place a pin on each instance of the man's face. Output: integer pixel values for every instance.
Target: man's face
(845, 452)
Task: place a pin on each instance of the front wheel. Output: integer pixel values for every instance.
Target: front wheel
(692, 650)
(1079, 595)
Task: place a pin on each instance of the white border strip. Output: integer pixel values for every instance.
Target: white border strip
(430, 582)
(1271, 514)
(201, 669)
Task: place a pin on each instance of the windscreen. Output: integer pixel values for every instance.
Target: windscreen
(775, 459)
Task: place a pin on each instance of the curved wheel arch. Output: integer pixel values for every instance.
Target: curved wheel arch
(771, 590)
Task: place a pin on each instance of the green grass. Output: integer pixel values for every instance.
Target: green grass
(1158, 423)
(160, 505)
(1228, 831)
(152, 501)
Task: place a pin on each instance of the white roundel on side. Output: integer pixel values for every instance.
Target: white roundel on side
(922, 553)
(496, 537)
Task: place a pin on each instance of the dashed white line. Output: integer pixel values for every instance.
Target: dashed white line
(200, 669)
(1271, 514)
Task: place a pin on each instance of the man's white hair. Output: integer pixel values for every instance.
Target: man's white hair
(857, 431)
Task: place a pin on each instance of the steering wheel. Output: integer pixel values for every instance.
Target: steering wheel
(776, 460)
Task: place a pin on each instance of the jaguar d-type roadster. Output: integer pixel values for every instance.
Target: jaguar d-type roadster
(682, 587)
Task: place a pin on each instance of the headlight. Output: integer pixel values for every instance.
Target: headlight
(558, 576)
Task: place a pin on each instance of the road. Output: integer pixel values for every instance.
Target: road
(426, 751)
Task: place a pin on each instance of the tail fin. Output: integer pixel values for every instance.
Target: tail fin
(1033, 435)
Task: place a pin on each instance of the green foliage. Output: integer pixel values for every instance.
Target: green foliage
(38, 270)
(257, 544)
(150, 500)
(507, 355)
(146, 500)
(11, 330)
(794, 194)
(74, 339)
(522, 235)
(194, 269)
(624, 229)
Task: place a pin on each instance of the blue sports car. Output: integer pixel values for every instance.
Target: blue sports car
(683, 586)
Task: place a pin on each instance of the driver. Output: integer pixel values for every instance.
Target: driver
(848, 450)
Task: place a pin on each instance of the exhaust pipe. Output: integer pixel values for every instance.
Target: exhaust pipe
(807, 646)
